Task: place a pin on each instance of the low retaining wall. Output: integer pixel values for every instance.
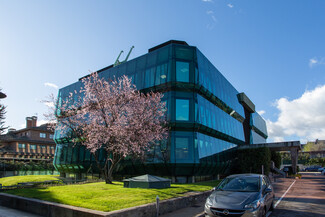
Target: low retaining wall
(51, 209)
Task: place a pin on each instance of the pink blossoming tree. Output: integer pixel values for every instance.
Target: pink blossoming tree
(114, 116)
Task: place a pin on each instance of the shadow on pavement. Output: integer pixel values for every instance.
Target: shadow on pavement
(286, 213)
(305, 200)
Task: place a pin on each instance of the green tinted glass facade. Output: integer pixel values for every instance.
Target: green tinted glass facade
(203, 111)
(258, 129)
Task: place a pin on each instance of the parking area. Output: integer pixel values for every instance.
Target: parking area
(306, 197)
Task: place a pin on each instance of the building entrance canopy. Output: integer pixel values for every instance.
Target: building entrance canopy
(292, 146)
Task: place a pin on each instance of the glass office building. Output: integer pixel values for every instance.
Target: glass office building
(208, 117)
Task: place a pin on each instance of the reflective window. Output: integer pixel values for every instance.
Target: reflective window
(150, 77)
(42, 135)
(182, 109)
(182, 148)
(21, 145)
(210, 146)
(182, 71)
(256, 138)
(32, 147)
(161, 74)
(209, 77)
(258, 122)
(212, 116)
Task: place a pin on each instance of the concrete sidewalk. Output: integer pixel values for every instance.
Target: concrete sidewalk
(7, 212)
(193, 211)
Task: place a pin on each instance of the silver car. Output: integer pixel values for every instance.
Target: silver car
(246, 195)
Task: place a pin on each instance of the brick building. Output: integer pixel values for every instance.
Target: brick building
(33, 143)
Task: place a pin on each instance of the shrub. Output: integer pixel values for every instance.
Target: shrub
(276, 158)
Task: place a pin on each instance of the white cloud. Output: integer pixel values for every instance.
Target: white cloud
(316, 61)
(51, 85)
(312, 62)
(210, 26)
(261, 112)
(303, 117)
(207, 0)
(230, 5)
(211, 14)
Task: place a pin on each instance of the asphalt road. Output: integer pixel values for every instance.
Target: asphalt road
(306, 198)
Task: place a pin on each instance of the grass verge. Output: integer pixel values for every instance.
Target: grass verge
(105, 197)
(14, 180)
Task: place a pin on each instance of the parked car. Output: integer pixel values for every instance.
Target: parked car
(241, 195)
(287, 169)
(312, 168)
(321, 169)
(323, 172)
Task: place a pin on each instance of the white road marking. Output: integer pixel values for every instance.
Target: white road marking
(277, 203)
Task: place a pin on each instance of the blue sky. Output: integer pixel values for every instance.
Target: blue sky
(274, 51)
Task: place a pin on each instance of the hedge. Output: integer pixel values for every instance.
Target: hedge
(251, 160)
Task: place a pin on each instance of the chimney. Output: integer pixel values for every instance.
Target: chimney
(28, 122)
(31, 121)
(34, 121)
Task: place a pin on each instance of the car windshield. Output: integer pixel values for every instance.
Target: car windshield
(240, 183)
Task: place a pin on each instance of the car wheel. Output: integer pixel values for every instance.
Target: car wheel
(264, 212)
(272, 205)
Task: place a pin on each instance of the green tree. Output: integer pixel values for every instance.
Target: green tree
(317, 161)
(2, 118)
(311, 146)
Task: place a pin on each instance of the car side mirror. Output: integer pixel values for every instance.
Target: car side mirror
(213, 189)
(268, 190)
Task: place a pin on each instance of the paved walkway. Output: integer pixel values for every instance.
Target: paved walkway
(7, 212)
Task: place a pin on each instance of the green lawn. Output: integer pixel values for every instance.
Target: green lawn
(14, 180)
(105, 197)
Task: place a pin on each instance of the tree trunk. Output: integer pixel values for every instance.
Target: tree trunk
(109, 174)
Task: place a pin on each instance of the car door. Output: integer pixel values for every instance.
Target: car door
(268, 196)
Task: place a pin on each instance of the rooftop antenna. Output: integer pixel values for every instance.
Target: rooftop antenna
(117, 62)
(127, 57)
